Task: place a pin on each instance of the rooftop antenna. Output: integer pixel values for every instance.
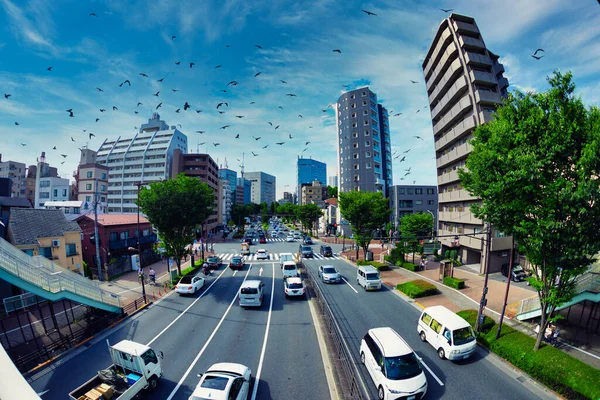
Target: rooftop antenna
(242, 166)
(226, 166)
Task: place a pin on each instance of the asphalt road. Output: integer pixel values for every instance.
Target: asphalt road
(357, 311)
(196, 331)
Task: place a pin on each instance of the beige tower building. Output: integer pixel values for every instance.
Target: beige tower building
(465, 84)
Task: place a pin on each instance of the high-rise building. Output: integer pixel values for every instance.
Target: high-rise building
(91, 177)
(16, 172)
(225, 200)
(332, 181)
(465, 84)
(364, 147)
(246, 186)
(308, 171)
(263, 187)
(288, 197)
(144, 158)
(411, 199)
(231, 177)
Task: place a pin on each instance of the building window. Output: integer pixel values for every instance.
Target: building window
(71, 249)
(103, 176)
(356, 166)
(367, 133)
(88, 186)
(103, 199)
(367, 154)
(355, 155)
(429, 191)
(409, 191)
(418, 202)
(418, 191)
(366, 122)
(365, 112)
(76, 210)
(368, 165)
(355, 134)
(499, 234)
(64, 192)
(55, 193)
(353, 115)
(430, 202)
(364, 93)
(46, 252)
(103, 188)
(354, 125)
(356, 178)
(367, 143)
(355, 145)
(352, 96)
(88, 198)
(89, 174)
(401, 191)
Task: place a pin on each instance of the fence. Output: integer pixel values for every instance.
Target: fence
(345, 368)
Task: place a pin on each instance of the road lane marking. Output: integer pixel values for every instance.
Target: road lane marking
(432, 374)
(235, 272)
(264, 348)
(214, 332)
(184, 311)
(348, 283)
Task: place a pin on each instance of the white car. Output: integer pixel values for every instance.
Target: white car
(290, 238)
(261, 254)
(293, 287)
(189, 284)
(223, 381)
(329, 274)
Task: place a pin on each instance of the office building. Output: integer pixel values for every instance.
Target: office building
(225, 201)
(288, 197)
(231, 177)
(465, 84)
(364, 147)
(263, 187)
(315, 192)
(91, 178)
(204, 168)
(144, 158)
(411, 199)
(16, 172)
(308, 171)
(246, 186)
(332, 181)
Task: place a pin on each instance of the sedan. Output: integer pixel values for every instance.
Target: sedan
(261, 254)
(293, 287)
(329, 274)
(223, 381)
(290, 238)
(262, 240)
(237, 262)
(308, 240)
(189, 284)
(214, 262)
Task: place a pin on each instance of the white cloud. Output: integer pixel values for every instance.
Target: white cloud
(33, 25)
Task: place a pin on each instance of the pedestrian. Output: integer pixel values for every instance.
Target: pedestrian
(152, 275)
(381, 244)
(422, 265)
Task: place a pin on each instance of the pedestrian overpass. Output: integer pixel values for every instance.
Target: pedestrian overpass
(44, 278)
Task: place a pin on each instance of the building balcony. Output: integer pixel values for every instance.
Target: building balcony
(454, 70)
(486, 116)
(455, 195)
(483, 78)
(471, 242)
(463, 128)
(459, 217)
(485, 97)
(501, 243)
(459, 152)
(461, 27)
(434, 55)
(122, 244)
(446, 178)
(148, 239)
(452, 115)
(498, 68)
(449, 55)
(470, 43)
(478, 59)
(502, 83)
(452, 95)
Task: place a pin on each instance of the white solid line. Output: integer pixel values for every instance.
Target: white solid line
(187, 372)
(578, 349)
(235, 272)
(348, 283)
(432, 374)
(184, 311)
(264, 348)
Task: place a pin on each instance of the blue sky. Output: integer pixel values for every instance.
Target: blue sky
(297, 39)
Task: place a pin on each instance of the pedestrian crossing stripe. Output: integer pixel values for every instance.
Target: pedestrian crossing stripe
(272, 257)
(273, 240)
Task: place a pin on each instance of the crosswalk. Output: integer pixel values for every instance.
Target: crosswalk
(272, 256)
(273, 240)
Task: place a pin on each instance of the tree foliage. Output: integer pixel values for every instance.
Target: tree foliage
(419, 224)
(332, 191)
(536, 169)
(175, 207)
(308, 215)
(365, 211)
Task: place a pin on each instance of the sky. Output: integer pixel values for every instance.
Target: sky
(124, 39)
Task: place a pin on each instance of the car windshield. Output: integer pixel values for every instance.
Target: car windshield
(289, 267)
(248, 290)
(402, 367)
(517, 268)
(213, 259)
(261, 252)
(306, 248)
(295, 286)
(329, 270)
(463, 336)
(372, 276)
(186, 279)
(326, 248)
(215, 382)
(236, 260)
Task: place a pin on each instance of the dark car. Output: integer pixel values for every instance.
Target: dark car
(214, 262)
(326, 251)
(308, 240)
(517, 273)
(236, 262)
(248, 240)
(306, 251)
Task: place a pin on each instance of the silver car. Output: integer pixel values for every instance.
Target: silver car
(329, 274)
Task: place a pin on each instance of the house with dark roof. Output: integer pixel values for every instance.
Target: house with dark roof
(46, 233)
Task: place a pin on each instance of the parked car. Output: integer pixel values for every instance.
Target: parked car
(308, 240)
(223, 381)
(189, 284)
(517, 274)
(214, 262)
(326, 251)
(237, 262)
(261, 254)
(293, 287)
(329, 274)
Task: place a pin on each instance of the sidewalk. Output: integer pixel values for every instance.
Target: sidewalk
(470, 296)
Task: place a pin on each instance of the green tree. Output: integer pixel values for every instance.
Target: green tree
(332, 191)
(240, 211)
(365, 211)
(308, 214)
(418, 224)
(536, 169)
(273, 207)
(175, 207)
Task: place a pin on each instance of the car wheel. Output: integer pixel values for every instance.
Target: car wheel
(423, 336)
(362, 357)
(153, 382)
(441, 353)
(381, 393)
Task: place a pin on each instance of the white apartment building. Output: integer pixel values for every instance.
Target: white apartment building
(263, 187)
(51, 189)
(145, 158)
(225, 200)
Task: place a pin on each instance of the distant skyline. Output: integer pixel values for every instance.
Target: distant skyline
(247, 48)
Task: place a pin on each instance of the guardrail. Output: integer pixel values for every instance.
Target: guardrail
(346, 370)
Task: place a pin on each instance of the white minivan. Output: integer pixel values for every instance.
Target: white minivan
(449, 334)
(251, 293)
(368, 277)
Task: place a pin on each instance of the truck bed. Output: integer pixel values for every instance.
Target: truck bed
(124, 392)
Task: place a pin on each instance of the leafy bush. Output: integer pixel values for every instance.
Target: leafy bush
(417, 288)
(551, 366)
(406, 265)
(396, 255)
(375, 264)
(454, 282)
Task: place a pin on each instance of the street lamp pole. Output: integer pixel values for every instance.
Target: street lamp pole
(432, 223)
(139, 245)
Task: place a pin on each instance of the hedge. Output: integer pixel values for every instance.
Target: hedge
(374, 264)
(417, 288)
(454, 282)
(549, 365)
(407, 265)
(190, 270)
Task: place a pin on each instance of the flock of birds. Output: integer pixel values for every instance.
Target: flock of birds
(224, 107)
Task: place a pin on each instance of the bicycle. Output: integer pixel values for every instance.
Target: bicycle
(143, 276)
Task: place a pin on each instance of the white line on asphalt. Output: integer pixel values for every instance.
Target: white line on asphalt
(184, 311)
(351, 287)
(264, 348)
(432, 374)
(187, 372)
(234, 272)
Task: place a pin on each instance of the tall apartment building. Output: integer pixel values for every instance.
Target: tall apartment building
(91, 177)
(144, 158)
(16, 172)
(263, 187)
(48, 186)
(225, 200)
(246, 188)
(364, 147)
(465, 84)
(231, 177)
(204, 168)
(308, 171)
(288, 197)
(412, 199)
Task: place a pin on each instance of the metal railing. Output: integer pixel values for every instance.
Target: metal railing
(50, 276)
(347, 369)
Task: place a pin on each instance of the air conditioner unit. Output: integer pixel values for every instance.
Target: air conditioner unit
(56, 243)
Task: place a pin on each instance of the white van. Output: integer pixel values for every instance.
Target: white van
(368, 277)
(251, 293)
(449, 334)
(289, 269)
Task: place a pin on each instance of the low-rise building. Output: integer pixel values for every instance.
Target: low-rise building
(411, 199)
(313, 193)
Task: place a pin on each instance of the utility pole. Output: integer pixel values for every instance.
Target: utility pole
(139, 246)
(483, 301)
(97, 239)
(510, 267)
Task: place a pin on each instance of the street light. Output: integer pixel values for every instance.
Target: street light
(432, 223)
(139, 245)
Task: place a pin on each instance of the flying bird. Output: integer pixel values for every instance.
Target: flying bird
(270, 123)
(220, 104)
(419, 137)
(258, 46)
(160, 80)
(202, 143)
(280, 143)
(198, 111)
(156, 94)
(233, 83)
(200, 132)
(93, 15)
(418, 110)
(537, 57)
(282, 81)
(218, 66)
(307, 143)
(177, 111)
(49, 69)
(175, 90)
(179, 125)
(225, 126)
(446, 10)
(337, 51)
(404, 152)
(124, 82)
(368, 12)
(280, 107)
(397, 114)
(192, 64)
(140, 104)
(23, 144)
(143, 74)
(97, 119)
(221, 112)
(413, 81)
(62, 163)
(72, 140)
(290, 135)
(239, 116)
(237, 136)
(257, 74)
(300, 115)
(177, 62)
(256, 138)
(115, 108)
(54, 148)
(91, 134)
(216, 144)
(71, 114)
(7, 95)
(64, 155)
(173, 37)
(291, 95)
(538, 50)
(252, 102)
(186, 106)
(254, 154)
(16, 123)
(304, 150)
(136, 112)
(100, 90)
(223, 90)
(276, 127)
(158, 106)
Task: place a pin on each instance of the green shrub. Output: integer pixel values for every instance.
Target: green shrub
(551, 366)
(454, 282)
(417, 288)
(375, 264)
(406, 265)
(396, 255)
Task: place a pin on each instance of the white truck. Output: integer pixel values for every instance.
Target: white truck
(283, 257)
(135, 367)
